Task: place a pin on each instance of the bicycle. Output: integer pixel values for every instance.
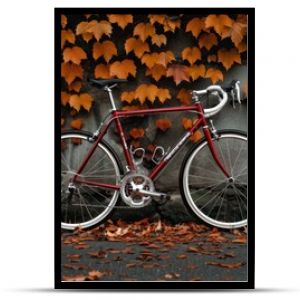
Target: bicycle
(213, 176)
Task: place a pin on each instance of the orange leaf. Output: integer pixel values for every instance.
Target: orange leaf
(121, 20)
(76, 124)
(196, 71)
(229, 57)
(62, 122)
(144, 30)
(242, 47)
(98, 29)
(74, 54)
(178, 72)
(149, 59)
(164, 58)
(187, 123)
(226, 265)
(214, 74)
(107, 49)
(87, 36)
(82, 27)
(171, 25)
(82, 100)
(156, 72)
(160, 19)
(212, 58)
(184, 96)
(64, 21)
(159, 39)
(128, 96)
(236, 32)
(191, 54)
(137, 133)
(75, 86)
(208, 40)
(146, 91)
(220, 23)
(163, 95)
(196, 25)
(196, 136)
(137, 46)
(102, 71)
(122, 69)
(67, 35)
(163, 124)
(64, 98)
(70, 71)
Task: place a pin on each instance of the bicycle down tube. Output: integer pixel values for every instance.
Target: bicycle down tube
(116, 115)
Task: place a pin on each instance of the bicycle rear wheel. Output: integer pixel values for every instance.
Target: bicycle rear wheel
(84, 205)
(211, 196)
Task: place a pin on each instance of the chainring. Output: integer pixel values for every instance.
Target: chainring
(131, 185)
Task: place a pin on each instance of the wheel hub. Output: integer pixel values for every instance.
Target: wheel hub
(130, 189)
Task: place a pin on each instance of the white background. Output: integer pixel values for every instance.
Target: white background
(27, 149)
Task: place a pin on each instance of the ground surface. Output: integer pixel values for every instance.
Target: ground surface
(144, 251)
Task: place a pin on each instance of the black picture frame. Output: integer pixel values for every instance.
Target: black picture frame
(167, 285)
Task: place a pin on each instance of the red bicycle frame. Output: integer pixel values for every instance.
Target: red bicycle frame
(117, 114)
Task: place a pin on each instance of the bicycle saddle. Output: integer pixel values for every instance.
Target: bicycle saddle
(107, 82)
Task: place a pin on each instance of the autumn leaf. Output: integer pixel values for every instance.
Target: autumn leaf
(196, 136)
(95, 275)
(196, 71)
(121, 20)
(70, 72)
(107, 49)
(164, 58)
(236, 32)
(62, 122)
(220, 23)
(160, 19)
(77, 277)
(208, 40)
(159, 39)
(242, 47)
(74, 54)
(75, 86)
(196, 25)
(163, 124)
(102, 71)
(98, 29)
(67, 36)
(214, 75)
(82, 100)
(228, 57)
(187, 123)
(146, 91)
(191, 54)
(226, 265)
(137, 46)
(163, 95)
(64, 21)
(156, 72)
(128, 96)
(64, 98)
(178, 72)
(122, 69)
(87, 36)
(76, 124)
(81, 29)
(171, 25)
(149, 59)
(184, 96)
(137, 133)
(181, 256)
(144, 30)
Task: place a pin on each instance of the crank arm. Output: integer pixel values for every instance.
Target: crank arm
(162, 196)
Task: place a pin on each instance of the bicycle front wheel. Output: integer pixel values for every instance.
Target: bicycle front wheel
(211, 196)
(85, 205)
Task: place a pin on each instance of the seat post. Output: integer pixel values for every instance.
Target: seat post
(111, 97)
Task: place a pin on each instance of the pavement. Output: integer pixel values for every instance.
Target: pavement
(213, 255)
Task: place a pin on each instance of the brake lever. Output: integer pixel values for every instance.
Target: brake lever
(236, 93)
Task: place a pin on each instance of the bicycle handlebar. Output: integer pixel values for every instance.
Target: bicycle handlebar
(215, 90)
